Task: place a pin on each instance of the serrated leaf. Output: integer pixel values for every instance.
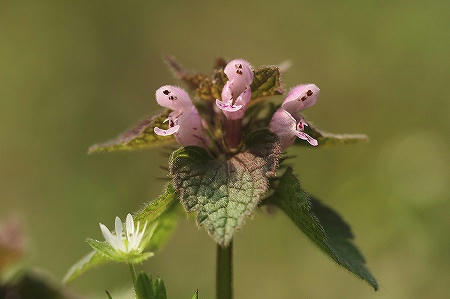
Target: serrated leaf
(266, 82)
(140, 137)
(224, 192)
(164, 210)
(329, 139)
(321, 224)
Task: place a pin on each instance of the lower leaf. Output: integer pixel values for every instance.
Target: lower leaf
(322, 225)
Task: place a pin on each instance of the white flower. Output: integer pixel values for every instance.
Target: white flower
(125, 242)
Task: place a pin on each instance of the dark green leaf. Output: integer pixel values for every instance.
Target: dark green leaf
(322, 225)
(222, 192)
(328, 139)
(266, 82)
(108, 294)
(159, 289)
(140, 137)
(146, 288)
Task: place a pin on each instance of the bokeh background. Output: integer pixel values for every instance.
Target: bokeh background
(73, 73)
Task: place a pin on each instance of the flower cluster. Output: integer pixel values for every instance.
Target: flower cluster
(185, 122)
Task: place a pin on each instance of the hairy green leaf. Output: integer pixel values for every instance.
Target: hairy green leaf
(266, 82)
(165, 210)
(321, 224)
(328, 139)
(105, 249)
(224, 193)
(89, 261)
(140, 137)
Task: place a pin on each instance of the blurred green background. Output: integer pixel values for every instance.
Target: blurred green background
(73, 73)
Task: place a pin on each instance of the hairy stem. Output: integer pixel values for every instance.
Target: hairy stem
(224, 272)
(133, 274)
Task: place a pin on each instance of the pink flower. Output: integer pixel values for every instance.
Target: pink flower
(289, 126)
(184, 121)
(301, 97)
(236, 93)
(287, 123)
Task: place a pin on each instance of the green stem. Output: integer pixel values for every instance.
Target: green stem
(224, 272)
(133, 274)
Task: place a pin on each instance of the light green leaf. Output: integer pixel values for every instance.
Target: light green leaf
(165, 210)
(329, 139)
(225, 192)
(139, 137)
(162, 212)
(105, 249)
(89, 261)
(195, 295)
(321, 224)
(266, 82)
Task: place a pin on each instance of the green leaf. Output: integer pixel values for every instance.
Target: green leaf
(146, 288)
(89, 261)
(108, 294)
(139, 137)
(164, 211)
(225, 192)
(321, 224)
(328, 139)
(195, 295)
(266, 82)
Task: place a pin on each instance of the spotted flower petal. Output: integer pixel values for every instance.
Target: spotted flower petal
(173, 97)
(288, 126)
(301, 97)
(240, 72)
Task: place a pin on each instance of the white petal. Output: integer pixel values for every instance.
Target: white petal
(130, 225)
(118, 227)
(108, 236)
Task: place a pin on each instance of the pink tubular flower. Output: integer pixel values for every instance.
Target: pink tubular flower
(184, 121)
(236, 93)
(301, 97)
(289, 126)
(287, 123)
